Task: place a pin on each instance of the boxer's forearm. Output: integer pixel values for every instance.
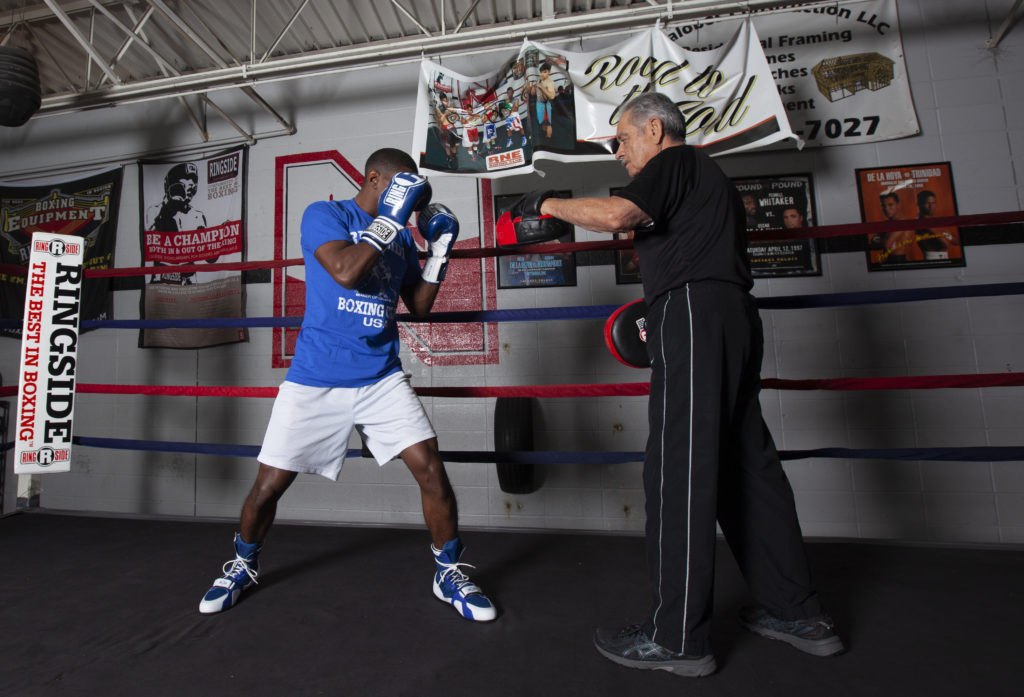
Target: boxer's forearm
(609, 215)
(347, 263)
(419, 299)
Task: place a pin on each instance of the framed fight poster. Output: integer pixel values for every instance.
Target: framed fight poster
(627, 262)
(785, 201)
(910, 192)
(535, 270)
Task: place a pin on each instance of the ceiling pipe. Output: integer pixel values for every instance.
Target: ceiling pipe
(396, 51)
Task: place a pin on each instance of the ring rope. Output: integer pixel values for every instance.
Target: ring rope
(786, 302)
(628, 389)
(847, 229)
(818, 231)
(586, 457)
(986, 454)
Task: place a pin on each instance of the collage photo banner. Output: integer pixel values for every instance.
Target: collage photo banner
(193, 213)
(86, 207)
(556, 105)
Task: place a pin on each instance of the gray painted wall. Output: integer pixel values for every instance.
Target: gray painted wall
(971, 110)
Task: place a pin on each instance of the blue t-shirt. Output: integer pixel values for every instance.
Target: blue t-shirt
(349, 338)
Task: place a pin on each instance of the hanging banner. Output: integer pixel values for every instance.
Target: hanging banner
(193, 212)
(85, 208)
(557, 105)
(839, 69)
(49, 350)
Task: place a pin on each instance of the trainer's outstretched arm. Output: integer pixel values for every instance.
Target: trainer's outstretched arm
(609, 215)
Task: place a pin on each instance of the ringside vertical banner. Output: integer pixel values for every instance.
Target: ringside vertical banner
(49, 352)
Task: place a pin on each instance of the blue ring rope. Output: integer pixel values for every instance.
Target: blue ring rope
(966, 454)
(580, 312)
(980, 454)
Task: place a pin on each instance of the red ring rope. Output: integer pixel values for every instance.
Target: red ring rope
(759, 235)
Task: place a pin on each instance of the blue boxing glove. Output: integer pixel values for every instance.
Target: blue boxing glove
(407, 192)
(439, 228)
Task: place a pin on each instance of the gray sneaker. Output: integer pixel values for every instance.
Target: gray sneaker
(629, 646)
(815, 635)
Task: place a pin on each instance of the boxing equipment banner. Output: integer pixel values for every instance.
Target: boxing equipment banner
(551, 104)
(193, 212)
(85, 208)
(839, 69)
(49, 350)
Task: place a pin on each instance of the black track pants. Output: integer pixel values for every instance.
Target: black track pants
(710, 457)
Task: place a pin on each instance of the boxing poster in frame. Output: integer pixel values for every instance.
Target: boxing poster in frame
(192, 213)
(782, 201)
(910, 192)
(535, 270)
(627, 261)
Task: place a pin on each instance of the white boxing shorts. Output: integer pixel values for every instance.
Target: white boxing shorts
(310, 427)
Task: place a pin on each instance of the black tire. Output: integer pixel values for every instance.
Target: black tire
(513, 430)
(18, 57)
(20, 96)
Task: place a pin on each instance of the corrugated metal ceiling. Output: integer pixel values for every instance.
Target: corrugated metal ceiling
(95, 53)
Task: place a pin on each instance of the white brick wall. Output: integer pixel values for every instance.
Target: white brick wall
(971, 110)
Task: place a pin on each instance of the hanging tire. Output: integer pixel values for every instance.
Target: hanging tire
(20, 96)
(513, 430)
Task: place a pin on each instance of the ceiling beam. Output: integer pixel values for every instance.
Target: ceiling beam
(40, 13)
(1005, 27)
(289, 128)
(408, 49)
(84, 42)
(46, 49)
(186, 30)
(465, 16)
(231, 122)
(284, 31)
(411, 18)
(133, 34)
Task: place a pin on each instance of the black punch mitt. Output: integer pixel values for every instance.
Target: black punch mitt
(524, 224)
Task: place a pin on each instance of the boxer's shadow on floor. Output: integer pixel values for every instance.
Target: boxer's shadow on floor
(346, 552)
(521, 561)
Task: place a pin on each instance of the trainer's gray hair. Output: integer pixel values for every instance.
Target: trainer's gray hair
(654, 105)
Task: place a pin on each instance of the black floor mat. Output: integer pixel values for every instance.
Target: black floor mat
(108, 607)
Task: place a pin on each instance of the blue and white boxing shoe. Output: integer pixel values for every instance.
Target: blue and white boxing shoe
(453, 586)
(239, 574)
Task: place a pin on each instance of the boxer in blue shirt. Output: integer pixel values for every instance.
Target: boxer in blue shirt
(346, 372)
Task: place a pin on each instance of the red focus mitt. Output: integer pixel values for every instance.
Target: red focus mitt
(625, 334)
(524, 224)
